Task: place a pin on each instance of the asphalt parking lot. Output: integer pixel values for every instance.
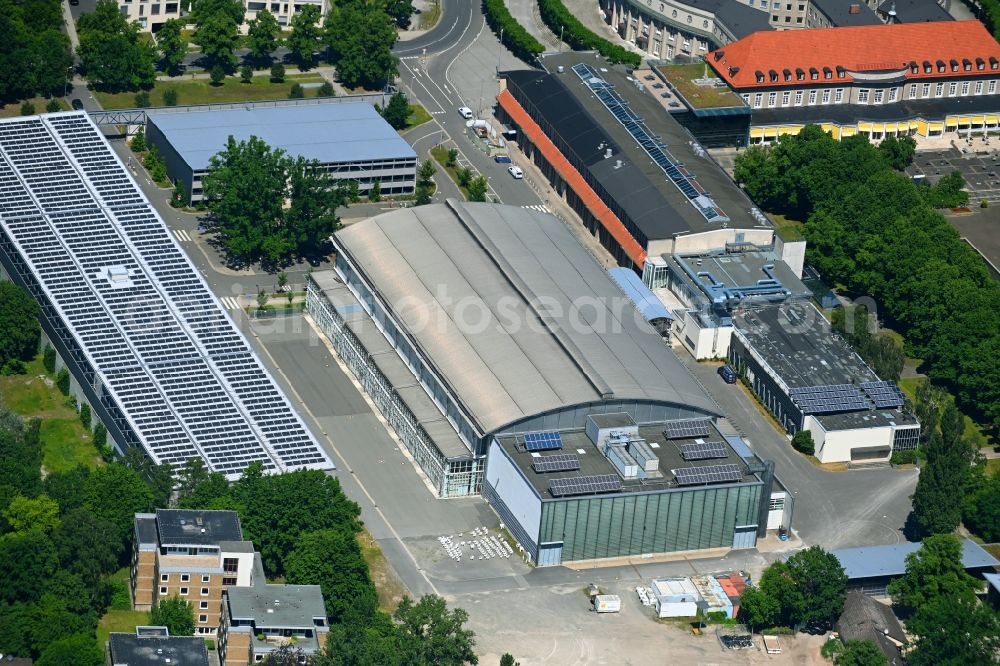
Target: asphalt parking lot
(981, 170)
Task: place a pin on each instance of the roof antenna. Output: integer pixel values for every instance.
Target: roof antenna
(892, 13)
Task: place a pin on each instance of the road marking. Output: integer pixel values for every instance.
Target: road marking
(230, 302)
(182, 235)
(541, 208)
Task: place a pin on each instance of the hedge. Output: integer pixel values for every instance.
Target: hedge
(515, 37)
(561, 21)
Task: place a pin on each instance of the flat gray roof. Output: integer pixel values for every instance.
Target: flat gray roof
(150, 650)
(329, 133)
(280, 606)
(544, 327)
(181, 526)
(594, 462)
(734, 275)
(890, 560)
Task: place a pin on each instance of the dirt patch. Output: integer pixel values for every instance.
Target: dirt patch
(390, 587)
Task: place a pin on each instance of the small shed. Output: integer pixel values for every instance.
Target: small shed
(675, 597)
(714, 598)
(865, 619)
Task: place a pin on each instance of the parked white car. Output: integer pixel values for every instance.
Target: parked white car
(515, 172)
(465, 112)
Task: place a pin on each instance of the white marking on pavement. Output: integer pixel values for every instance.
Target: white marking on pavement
(539, 207)
(182, 235)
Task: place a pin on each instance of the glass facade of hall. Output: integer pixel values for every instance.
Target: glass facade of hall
(634, 524)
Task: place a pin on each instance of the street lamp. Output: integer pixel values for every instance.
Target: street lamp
(561, 28)
(500, 51)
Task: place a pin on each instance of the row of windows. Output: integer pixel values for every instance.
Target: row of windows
(183, 591)
(165, 578)
(867, 96)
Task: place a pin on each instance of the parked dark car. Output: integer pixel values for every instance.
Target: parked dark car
(77, 104)
(728, 374)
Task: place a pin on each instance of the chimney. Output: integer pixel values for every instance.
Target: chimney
(854, 9)
(618, 164)
(607, 153)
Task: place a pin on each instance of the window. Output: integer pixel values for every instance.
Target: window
(879, 95)
(164, 578)
(862, 97)
(785, 97)
(185, 578)
(204, 591)
(798, 19)
(925, 90)
(965, 88)
(163, 590)
(913, 92)
(812, 97)
(228, 581)
(155, 10)
(203, 605)
(939, 90)
(758, 99)
(673, 14)
(776, 504)
(838, 96)
(763, 4)
(952, 89)
(203, 618)
(230, 565)
(992, 87)
(206, 579)
(788, 19)
(826, 97)
(798, 98)
(746, 97)
(772, 98)
(979, 87)
(184, 591)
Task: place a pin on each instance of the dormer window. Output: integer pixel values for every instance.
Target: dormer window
(841, 72)
(928, 67)
(800, 75)
(954, 65)
(773, 74)
(787, 73)
(827, 73)
(813, 73)
(994, 62)
(914, 68)
(980, 64)
(759, 75)
(966, 64)
(941, 66)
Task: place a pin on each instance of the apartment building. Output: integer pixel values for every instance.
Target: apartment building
(260, 619)
(150, 14)
(154, 646)
(919, 79)
(195, 555)
(283, 11)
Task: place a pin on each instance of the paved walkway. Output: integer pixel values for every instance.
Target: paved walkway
(526, 13)
(591, 15)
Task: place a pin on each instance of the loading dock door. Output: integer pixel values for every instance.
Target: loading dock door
(550, 554)
(745, 536)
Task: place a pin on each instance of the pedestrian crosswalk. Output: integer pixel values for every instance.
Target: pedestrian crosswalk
(182, 235)
(539, 207)
(230, 302)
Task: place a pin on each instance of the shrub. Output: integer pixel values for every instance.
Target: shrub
(296, 92)
(139, 141)
(27, 109)
(85, 415)
(277, 73)
(62, 381)
(179, 198)
(326, 90)
(984, 204)
(170, 97)
(217, 74)
(803, 442)
(375, 192)
(100, 436)
(520, 42)
(452, 157)
(904, 457)
(464, 176)
(120, 597)
(13, 366)
(49, 358)
(246, 74)
(142, 99)
(561, 21)
(53, 107)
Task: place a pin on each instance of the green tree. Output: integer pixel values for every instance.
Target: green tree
(507, 659)
(179, 197)
(937, 499)
(375, 192)
(948, 192)
(52, 106)
(174, 613)
(141, 100)
(76, 650)
(898, 151)
(821, 580)
(218, 36)
(431, 634)
(400, 11)
(246, 74)
(934, 571)
(112, 55)
(170, 97)
(422, 194)
(244, 192)
(332, 559)
(362, 641)
(452, 157)
(25, 558)
(361, 38)
(296, 92)
(277, 73)
(477, 189)
(263, 36)
(464, 177)
(860, 653)
(802, 441)
(758, 610)
(306, 36)
(217, 74)
(34, 513)
(981, 511)
(312, 216)
(778, 583)
(100, 436)
(85, 415)
(160, 478)
(115, 493)
(62, 381)
(87, 546)
(49, 358)
(20, 331)
(397, 111)
(326, 90)
(173, 45)
(67, 488)
(138, 142)
(194, 473)
(954, 632)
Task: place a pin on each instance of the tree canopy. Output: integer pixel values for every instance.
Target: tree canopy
(360, 37)
(860, 653)
(35, 55)
(19, 327)
(306, 36)
(218, 30)
(112, 55)
(263, 36)
(809, 588)
(173, 45)
(397, 111)
(938, 497)
(954, 632)
(431, 634)
(174, 613)
(875, 231)
(934, 571)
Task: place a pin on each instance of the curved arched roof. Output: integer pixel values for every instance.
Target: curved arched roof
(512, 312)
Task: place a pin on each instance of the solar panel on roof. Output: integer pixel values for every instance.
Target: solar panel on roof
(560, 462)
(688, 476)
(585, 485)
(703, 450)
(542, 441)
(685, 429)
(884, 394)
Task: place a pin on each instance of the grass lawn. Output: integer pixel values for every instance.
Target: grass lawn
(14, 109)
(201, 91)
(431, 15)
(418, 116)
(119, 621)
(440, 155)
(390, 587)
(789, 230)
(992, 466)
(65, 442)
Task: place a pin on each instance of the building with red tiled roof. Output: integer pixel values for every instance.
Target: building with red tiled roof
(878, 80)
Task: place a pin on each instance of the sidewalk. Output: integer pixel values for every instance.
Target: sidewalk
(591, 16)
